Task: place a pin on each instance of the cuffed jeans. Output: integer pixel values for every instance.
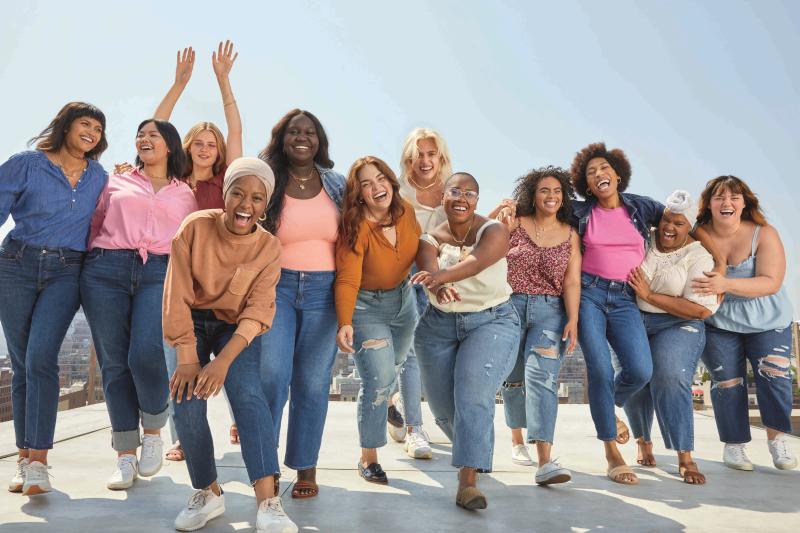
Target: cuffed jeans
(298, 352)
(608, 314)
(383, 330)
(243, 386)
(530, 391)
(463, 359)
(39, 296)
(769, 353)
(122, 298)
(676, 344)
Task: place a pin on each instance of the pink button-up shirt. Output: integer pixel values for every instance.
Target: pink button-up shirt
(130, 215)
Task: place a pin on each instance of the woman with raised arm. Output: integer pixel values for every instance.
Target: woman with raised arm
(298, 352)
(219, 298)
(425, 165)
(122, 282)
(752, 324)
(467, 339)
(51, 193)
(673, 318)
(375, 304)
(544, 271)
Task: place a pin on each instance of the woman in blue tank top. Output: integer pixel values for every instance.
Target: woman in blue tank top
(753, 323)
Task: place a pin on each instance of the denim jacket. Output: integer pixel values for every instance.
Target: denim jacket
(333, 183)
(643, 210)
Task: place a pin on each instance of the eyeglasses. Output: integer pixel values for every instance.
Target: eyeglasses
(455, 193)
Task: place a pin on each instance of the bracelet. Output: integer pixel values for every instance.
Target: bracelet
(186, 364)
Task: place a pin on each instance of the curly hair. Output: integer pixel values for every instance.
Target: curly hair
(525, 191)
(353, 206)
(616, 158)
(752, 211)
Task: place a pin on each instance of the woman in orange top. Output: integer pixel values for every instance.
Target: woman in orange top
(375, 303)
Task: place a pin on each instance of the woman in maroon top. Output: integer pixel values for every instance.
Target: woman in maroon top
(544, 266)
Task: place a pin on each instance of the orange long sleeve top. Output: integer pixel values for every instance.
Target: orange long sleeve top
(374, 264)
(212, 268)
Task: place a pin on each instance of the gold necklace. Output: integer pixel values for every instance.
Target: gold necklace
(420, 187)
(301, 182)
(539, 232)
(71, 174)
(460, 242)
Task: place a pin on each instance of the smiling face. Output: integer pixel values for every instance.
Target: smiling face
(726, 206)
(460, 198)
(673, 230)
(375, 189)
(245, 202)
(203, 150)
(429, 163)
(300, 142)
(83, 134)
(150, 145)
(548, 196)
(601, 178)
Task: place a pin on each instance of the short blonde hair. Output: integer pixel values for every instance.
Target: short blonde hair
(411, 153)
(189, 138)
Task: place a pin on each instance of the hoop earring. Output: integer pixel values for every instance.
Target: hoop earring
(588, 192)
(263, 217)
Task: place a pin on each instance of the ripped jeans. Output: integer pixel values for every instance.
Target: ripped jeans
(769, 353)
(530, 392)
(383, 330)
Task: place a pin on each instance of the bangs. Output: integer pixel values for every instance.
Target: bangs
(731, 185)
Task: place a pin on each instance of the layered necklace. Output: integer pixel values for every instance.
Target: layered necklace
(539, 231)
(72, 175)
(301, 182)
(420, 187)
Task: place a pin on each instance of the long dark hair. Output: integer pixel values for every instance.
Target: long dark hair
(53, 137)
(176, 159)
(273, 154)
(525, 191)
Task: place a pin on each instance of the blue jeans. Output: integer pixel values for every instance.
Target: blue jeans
(122, 300)
(769, 353)
(298, 352)
(676, 344)
(243, 388)
(608, 314)
(383, 329)
(463, 359)
(39, 296)
(530, 391)
(409, 381)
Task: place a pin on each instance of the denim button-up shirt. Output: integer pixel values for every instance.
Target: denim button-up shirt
(333, 183)
(46, 209)
(643, 210)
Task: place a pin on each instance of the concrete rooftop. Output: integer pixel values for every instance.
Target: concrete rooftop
(421, 494)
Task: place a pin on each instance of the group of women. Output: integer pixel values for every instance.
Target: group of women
(269, 263)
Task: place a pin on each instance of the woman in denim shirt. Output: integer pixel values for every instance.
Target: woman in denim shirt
(298, 352)
(51, 193)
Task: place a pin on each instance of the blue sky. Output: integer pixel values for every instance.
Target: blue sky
(690, 90)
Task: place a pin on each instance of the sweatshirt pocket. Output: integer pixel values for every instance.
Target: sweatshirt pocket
(241, 281)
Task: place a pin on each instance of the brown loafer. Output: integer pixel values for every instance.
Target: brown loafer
(470, 498)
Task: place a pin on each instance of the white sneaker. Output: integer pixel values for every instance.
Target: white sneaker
(127, 470)
(202, 507)
(782, 458)
(520, 455)
(37, 479)
(16, 483)
(734, 457)
(271, 518)
(551, 472)
(417, 445)
(152, 455)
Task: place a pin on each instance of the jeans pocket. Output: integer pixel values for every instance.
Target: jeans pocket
(9, 256)
(92, 256)
(241, 281)
(506, 311)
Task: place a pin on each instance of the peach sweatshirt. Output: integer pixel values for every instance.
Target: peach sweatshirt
(212, 268)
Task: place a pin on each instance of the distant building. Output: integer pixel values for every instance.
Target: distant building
(5, 394)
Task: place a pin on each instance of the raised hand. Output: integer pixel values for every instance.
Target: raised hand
(222, 60)
(185, 64)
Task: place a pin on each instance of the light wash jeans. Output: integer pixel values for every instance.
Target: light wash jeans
(676, 344)
(243, 386)
(409, 381)
(463, 359)
(608, 314)
(383, 329)
(530, 392)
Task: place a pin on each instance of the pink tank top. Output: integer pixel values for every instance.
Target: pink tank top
(612, 246)
(308, 231)
(533, 269)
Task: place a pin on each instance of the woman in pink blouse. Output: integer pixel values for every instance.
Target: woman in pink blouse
(122, 282)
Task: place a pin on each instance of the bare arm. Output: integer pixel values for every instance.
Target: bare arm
(572, 291)
(720, 264)
(674, 305)
(492, 247)
(222, 60)
(183, 73)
